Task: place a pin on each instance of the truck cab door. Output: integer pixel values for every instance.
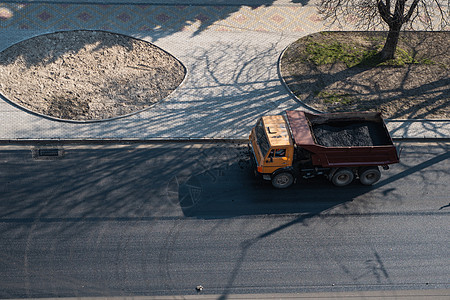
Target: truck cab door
(276, 159)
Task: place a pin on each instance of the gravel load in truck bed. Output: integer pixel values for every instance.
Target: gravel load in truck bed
(348, 134)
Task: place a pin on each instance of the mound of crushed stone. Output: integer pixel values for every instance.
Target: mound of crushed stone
(346, 134)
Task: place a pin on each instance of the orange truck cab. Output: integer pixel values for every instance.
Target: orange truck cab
(272, 146)
(340, 146)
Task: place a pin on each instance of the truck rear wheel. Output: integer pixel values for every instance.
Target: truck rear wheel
(282, 180)
(342, 177)
(370, 175)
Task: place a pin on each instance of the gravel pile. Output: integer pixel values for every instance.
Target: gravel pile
(344, 134)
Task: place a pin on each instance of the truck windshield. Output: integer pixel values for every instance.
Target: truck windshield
(261, 138)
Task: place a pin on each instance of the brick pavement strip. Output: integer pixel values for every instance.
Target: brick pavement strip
(146, 17)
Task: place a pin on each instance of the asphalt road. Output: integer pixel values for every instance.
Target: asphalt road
(160, 219)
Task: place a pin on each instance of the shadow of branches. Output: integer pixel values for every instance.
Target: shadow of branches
(418, 89)
(230, 83)
(96, 188)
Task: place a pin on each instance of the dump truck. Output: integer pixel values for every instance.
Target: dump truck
(341, 147)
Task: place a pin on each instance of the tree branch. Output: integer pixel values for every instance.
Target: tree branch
(411, 10)
(385, 10)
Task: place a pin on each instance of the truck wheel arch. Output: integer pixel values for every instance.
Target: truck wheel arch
(342, 176)
(284, 170)
(287, 177)
(369, 175)
(331, 173)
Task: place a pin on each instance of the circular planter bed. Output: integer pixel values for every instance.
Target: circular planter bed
(87, 75)
(333, 71)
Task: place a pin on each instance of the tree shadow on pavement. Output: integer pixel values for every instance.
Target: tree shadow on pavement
(215, 194)
(222, 96)
(158, 19)
(229, 84)
(77, 195)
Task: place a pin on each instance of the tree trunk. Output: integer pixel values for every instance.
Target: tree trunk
(390, 45)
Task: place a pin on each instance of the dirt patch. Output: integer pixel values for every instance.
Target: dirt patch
(87, 75)
(416, 90)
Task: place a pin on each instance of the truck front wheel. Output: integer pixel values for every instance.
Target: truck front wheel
(369, 176)
(282, 180)
(342, 177)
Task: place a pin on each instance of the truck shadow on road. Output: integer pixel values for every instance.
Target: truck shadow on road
(233, 191)
(238, 194)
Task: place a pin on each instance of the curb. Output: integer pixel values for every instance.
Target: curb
(416, 120)
(168, 141)
(354, 295)
(125, 141)
(293, 96)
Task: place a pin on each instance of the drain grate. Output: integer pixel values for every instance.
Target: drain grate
(47, 153)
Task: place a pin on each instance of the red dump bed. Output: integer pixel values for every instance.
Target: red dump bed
(343, 139)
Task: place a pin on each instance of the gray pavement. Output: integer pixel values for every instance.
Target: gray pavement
(231, 53)
(373, 295)
(160, 219)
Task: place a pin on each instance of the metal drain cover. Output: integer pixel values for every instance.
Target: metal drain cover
(47, 153)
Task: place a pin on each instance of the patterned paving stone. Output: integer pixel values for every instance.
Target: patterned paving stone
(276, 18)
(45, 16)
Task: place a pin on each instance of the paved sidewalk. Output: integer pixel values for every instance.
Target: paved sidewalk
(230, 51)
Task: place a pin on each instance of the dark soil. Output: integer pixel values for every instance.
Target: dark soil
(412, 90)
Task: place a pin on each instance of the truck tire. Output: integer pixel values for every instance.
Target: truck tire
(369, 176)
(342, 177)
(282, 180)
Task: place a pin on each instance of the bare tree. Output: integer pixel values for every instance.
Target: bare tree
(370, 14)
